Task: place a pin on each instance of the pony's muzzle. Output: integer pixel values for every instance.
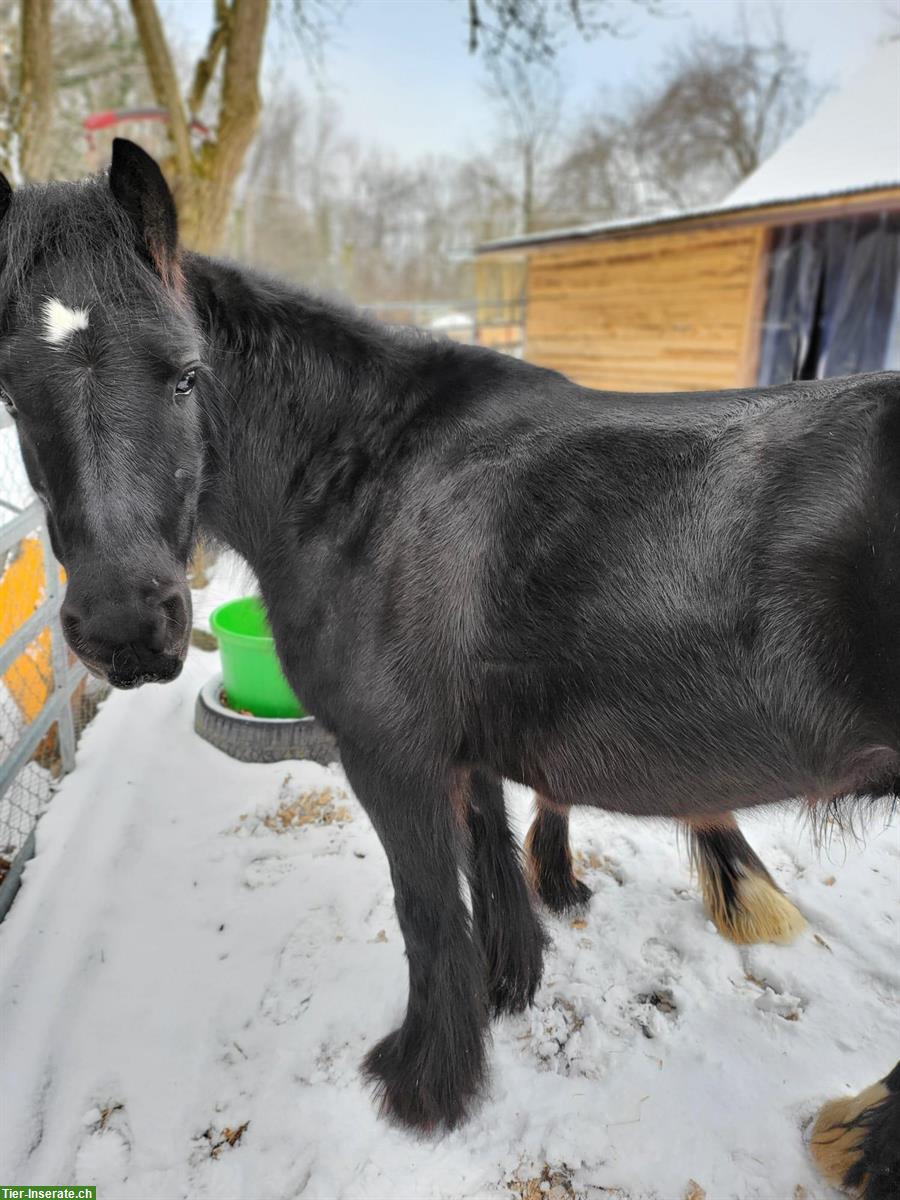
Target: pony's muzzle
(129, 637)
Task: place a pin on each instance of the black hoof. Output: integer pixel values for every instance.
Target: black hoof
(565, 895)
(512, 984)
(423, 1086)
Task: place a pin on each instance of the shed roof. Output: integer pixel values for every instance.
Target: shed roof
(850, 146)
(851, 142)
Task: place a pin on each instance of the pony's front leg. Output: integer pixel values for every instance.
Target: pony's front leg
(428, 1070)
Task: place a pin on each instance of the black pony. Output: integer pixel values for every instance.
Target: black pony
(475, 569)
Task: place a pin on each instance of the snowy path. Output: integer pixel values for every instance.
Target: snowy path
(174, 967)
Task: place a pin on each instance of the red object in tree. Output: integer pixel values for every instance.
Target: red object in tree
(113, 116)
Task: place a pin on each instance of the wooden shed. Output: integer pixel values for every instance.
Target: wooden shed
(795, 274)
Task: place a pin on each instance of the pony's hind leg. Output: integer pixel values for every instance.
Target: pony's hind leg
(741, 896)
(506, 924)
(550, 860)
(429, 1069)
(856, 1140)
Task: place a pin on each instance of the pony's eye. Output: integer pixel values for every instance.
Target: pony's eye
(185, 384)
(7, 401)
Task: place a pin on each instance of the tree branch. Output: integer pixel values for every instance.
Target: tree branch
(206, 67)
(205, 210)
(164, 79)
(241, 102)
(474, 25)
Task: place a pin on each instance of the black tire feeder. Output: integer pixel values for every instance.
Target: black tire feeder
(259, 739)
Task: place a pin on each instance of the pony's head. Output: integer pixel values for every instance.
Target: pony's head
(99, 354)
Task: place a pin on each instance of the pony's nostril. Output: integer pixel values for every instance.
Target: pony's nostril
(157, 637)
(165, 595)
(168, 619)
(173, 607)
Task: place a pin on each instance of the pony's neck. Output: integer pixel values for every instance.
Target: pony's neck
(301, 397)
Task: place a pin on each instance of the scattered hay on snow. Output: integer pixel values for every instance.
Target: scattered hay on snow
(553, 1183)
(228, 1136)
(296, 809)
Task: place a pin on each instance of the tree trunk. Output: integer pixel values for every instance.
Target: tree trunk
(527, 188)
(239, 109)
(204, 182)
(8, 87)
(164, 79)
(36, 89)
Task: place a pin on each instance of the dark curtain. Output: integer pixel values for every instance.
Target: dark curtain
(831, 298)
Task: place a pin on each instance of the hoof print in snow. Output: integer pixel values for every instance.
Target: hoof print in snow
(555, 1037)
(653, 1010)
(212, 1142)
(105, 1153)
(772, 996)
(782, 1004)
(592, 861)
(662, 957)
(281, 1005)
(264, 871)
(330, 1063)
(99, 1119)
(553, 1183)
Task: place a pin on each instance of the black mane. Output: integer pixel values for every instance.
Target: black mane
(79, 224)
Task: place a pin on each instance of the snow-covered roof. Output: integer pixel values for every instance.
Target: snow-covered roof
(594, 229)
(851, 144)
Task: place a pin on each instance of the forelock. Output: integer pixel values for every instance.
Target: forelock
(71, 228)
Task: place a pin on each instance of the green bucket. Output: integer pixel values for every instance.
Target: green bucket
(251, 673)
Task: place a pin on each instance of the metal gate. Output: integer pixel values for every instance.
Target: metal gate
(46, 696)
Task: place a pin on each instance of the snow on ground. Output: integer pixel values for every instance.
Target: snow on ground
(184, 967)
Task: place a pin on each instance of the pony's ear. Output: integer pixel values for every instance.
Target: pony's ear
(140, 188)
(5, 195)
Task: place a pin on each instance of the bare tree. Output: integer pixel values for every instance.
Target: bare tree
(204, 179)
(358, 221)
(224, 84)
(528, 98)
(590, 179)
(94, 64)
(521, 30)
(532, 30)
(9, 40)
(36, 93)
(323, 210)
(720, 108)
(299, 176)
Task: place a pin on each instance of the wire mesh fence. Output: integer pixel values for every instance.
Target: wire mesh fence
(46, 696)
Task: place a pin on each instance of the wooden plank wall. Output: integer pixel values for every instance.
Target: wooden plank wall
(499, 285)
(663, 312)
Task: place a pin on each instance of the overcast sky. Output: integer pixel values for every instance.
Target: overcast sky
(402, 75)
